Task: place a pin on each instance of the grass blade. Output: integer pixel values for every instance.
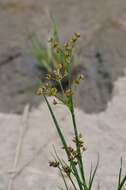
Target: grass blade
(120, 174)
(81, 167)
(93, 174)
(90, 175)
(122, 183)
(60, 168)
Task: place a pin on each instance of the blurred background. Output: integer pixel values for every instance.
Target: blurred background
(101, 97)
(100, 50)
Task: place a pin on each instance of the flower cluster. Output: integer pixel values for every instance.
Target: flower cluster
(68, 47)
(47, 90)
(80, 142)
(73, 156)
(54, 164)
(60, 73)
(62, 166)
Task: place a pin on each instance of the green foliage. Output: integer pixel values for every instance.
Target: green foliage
(121, 179)
(44, 53)
(46, 57)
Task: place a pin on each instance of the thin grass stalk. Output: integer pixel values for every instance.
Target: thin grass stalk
(122, 183)
(72, 182)
(61, 170)
(120, 174)
(63, 178)
(57, 126)
(64, 144)
(81, 167)
(90, 175)
(75, 130)
(93, 175)
(61, 87)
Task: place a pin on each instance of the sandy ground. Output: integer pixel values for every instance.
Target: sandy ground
(27, 141)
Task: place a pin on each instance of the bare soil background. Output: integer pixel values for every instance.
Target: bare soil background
(26, 139)
(101, 49)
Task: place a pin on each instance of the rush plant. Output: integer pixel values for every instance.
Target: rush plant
(73, 167)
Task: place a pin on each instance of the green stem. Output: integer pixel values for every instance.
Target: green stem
(61, 87)
(78, 145)
(64, 144)
(62, 90)
(61, 169)
(81, 168)
(63, 178)
(56, 124)
(72, 182)
(70, 72)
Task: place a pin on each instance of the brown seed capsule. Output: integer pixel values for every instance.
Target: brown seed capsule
(52, 92)
(83, 148)
(74, 39)
(67, 170)
(77, 81)
(48, 76)
(70, 149)
(60, 66)
(68, 93)
(81, 77)
(55, 102)
(77, 34)
(55, 45)
(39, 92)
(54, 164)
(50, 40)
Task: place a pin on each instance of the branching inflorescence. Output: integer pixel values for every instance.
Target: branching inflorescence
(73, 168)
(61, 71)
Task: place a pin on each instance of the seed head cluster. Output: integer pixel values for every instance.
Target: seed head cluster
(73, 156)
(61, 72)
